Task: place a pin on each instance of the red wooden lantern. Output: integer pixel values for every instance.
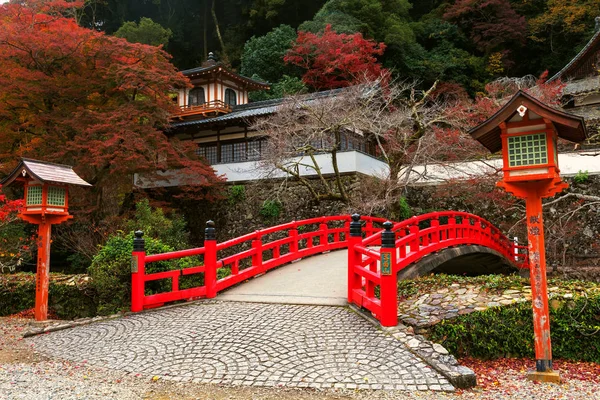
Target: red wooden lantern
(526, 131)
(46, 202)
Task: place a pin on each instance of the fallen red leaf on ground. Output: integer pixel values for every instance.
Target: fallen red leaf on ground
(490, 373)
(30, 314)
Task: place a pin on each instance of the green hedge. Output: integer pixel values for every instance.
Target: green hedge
(65, 300)
(111, 272)
(508, 331)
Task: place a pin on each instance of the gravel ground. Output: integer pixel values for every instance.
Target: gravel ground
(27, 375)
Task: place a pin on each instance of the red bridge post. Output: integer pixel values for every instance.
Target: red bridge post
(293, 234)
(435, 235)
(451, 228)
(415, 243)
(138, 270)
(257, 257)
(210, 260)
(388, 286)
(355, 238)
(323, 239)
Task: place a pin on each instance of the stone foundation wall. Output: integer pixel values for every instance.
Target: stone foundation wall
(237, 215)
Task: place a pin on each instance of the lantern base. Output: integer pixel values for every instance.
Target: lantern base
(547, 376)
(53, 219)
(535, 188)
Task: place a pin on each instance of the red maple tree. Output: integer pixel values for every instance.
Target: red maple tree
(15, 246)
(334, 60)
(8, 207)
(80, 97)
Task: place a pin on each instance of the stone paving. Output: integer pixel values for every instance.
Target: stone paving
(249, 344)
(428, 309)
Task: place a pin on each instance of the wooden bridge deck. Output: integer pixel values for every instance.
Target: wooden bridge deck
(317, 280)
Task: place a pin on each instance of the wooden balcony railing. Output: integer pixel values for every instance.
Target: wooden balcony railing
(208, 109)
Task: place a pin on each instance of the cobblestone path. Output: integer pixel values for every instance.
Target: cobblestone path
(248, 344)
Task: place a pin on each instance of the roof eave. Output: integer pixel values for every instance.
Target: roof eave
(248, 81)
(558, 117)
(575, 60)
(16, 172)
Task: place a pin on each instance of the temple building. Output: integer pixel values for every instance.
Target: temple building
(581, 75)
(217, 115)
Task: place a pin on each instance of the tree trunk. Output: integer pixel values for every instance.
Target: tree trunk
(205, 30)
(334, 161)
(218, 30)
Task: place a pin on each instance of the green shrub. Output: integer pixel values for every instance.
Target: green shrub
(271, 209)
(16, 245)
(111, 272)
(111, 267)
(581, 177)
(237, 194)
(404, 209)
(171, 230)
(508, 331)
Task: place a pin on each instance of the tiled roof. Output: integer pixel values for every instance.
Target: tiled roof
(254, 109)
(591, 113)
(46, 172)
(200, 70)
(593, 41)
(582, 86)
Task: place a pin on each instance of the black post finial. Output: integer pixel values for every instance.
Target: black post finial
(139, 244)
(355, 226)
(210, 231)
(388, 237)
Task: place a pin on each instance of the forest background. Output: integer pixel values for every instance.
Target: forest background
(464, 42)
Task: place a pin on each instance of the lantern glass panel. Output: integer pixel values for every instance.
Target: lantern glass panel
(56, 196)
(34, 195)
(527, 150)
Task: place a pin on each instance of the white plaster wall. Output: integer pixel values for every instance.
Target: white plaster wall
(569, 163)
(353, 161)
(349, 161)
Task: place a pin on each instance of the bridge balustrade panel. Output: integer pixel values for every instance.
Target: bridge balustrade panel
(415, 238)
(231, 262)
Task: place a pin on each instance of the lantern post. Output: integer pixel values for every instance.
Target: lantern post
(46, 203)
(526, 131)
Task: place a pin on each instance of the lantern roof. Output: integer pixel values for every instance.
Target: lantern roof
(568, 126)
(45, 172)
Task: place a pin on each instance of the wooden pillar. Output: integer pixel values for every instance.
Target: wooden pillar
(138, 271)
(539, 289)
(43, 271)
(388, 289)
(210, 260)
(354, 238)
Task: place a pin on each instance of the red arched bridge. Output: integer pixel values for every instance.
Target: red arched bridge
(377, 251)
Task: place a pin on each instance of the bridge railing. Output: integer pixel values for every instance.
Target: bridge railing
(225, 264)
(374, 262)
